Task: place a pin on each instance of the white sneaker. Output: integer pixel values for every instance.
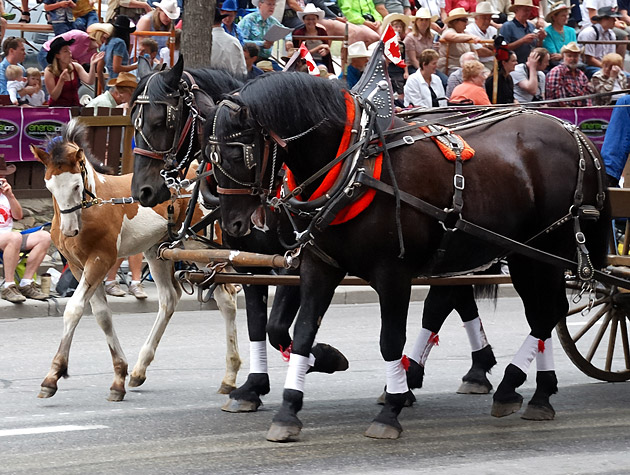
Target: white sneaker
(137, 290)
(113, 288)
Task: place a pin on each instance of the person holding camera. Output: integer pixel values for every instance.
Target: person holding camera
(529, 78)
(361, 12)
(520, 34)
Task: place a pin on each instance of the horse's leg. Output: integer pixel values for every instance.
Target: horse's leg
(103, 315)
(246, 398)
(169, 293)
(394, 291)
(225, 297)
(318, 284)
(541, 288)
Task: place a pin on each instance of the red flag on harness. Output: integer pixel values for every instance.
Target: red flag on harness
(313, 70)
(392, 51)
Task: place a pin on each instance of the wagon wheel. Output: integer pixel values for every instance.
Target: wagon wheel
(597, 342)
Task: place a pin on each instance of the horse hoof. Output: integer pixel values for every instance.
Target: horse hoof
(502, 409)
(46, 392)
(225, 388)
(378, 430)
(409, 400)
(283, 433)
(473, 388)
(328, 359)
(538, 413)
(135, 381)
(115, 395)
(239, 405)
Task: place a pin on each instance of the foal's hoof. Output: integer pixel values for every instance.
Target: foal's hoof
(538, 413)
(328, 359)
(502, 409)
(378, 430)
(409, 400)
(240, 405)
(283, 433)
(46, 392)
(116, 395)
(135, 381)
(468, 387)
(225, 388)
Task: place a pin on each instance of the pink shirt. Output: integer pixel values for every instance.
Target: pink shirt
(469, 5)
(81, 52)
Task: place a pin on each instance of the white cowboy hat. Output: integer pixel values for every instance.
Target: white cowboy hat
(571, 47)
(521, 3)
(457, 13)
(555, 8)
(255, 2)
(358, 50)
(311, 9)
(485, 8)
(169, 7)
(424, 14)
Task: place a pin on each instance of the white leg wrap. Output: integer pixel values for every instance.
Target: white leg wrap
(298, 366)
(523, 359)
(258, 356)
(544, 359)
(476, 335)
(396, 377)
(421, 349)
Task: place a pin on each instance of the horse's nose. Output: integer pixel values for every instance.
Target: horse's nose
(237, 228)
(147, 196)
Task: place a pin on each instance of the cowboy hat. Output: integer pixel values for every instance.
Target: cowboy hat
(484, 8)
(392, 17)
(124, 79)
(4, 168)
(265, 65)
(256, 2)
(606, 12)
(424, 14)
(456, 14)
(56, 46)
(555, 8)
(123, 22)
(571, 47)
(229, 6)
(311, 9)
(106, 28)
(358, 50)
(521, 3)
(169, 7)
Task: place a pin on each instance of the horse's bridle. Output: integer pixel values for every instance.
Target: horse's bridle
(85, 202)
(184, 97)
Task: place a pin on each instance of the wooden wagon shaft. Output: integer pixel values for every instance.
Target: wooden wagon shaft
(197, 277)
(237, 258)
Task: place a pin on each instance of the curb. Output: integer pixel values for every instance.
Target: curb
(344, 295)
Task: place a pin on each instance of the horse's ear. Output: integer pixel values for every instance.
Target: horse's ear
(40, 154)
(175, 74)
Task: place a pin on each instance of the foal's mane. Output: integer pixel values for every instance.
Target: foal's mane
(73, 132)
(289, 103)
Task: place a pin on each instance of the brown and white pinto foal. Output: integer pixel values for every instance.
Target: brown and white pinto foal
(92, 238)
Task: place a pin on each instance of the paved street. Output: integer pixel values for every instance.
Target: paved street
(173, 424)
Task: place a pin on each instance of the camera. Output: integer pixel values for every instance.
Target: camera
(368, 17)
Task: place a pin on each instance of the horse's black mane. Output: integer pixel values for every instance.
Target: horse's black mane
(212, 81)
(74, 132)
(290, 102)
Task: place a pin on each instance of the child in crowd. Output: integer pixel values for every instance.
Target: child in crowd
(15, 82)
(165, 54)
(60, 15)
(34, 78)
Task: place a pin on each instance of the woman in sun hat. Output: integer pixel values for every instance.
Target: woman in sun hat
(166, 13)
(117, 49)
(420, 38)
(558, 33)
(319, 49)
(454, 41)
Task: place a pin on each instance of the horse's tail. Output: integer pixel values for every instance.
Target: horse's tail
(488, 291)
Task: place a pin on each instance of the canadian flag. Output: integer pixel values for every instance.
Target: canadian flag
(391, 50)
(313, 70)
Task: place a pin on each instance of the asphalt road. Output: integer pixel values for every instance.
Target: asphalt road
(173, 424)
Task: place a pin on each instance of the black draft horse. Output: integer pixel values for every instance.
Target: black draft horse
(521, 180)
(161, 99)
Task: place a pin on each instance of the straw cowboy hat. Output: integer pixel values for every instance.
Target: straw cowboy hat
(393, 17)
(311, 9)
(169, 7)
(457, 13)
(265, 66)
(56, 46)
(4, 168)
(424, 14)
(571, 47)
(106, 28)
(484, 8)
(358, 50)
(555, 8)
(124, 79)
(521, 3)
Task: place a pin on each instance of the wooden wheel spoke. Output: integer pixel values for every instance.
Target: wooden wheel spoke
(611, 343)
(598, 338)
(624, 340)
(602, 311)
(597, 303)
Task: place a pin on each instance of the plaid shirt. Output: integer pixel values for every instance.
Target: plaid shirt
(564, 82)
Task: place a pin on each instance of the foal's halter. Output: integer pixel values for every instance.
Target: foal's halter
(184, 97)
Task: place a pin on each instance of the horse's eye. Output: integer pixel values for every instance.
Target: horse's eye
(76, 187)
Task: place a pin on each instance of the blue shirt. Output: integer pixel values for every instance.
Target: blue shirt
(512, 30)
(554, 41)
(3, 79)
(254, 29)
(60, 15)
(115, 47)
(236, 32)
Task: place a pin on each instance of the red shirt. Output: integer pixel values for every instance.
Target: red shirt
(469, 5)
